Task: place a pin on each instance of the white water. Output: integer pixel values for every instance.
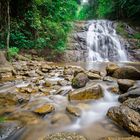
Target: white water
(103, 43)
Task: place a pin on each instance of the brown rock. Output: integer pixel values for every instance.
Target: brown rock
(127, 72)
(86, 93)
(121, 138)
(125, 84)
(80, 80)
(93, 76)
(73, 110)
(44, 109)
(126, 117)
(111, 67)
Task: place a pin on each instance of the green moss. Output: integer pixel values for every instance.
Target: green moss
(2, 119)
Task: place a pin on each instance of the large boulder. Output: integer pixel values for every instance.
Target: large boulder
(125, 84)
(126, 117)
(134, 93)
(90, 92)
(111, 67)
(80, 80)
(127, 72)
(133, 103)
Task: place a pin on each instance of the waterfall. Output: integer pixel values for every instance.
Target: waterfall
(103, 43)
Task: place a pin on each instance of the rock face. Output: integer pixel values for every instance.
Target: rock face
(93, 76)
(127, 72)
(86, 93)
(126, 117)
(134, 93)
(125, 84)
(65, 136)
(80, 80)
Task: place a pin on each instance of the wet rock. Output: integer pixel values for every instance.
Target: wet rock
(133, 103)
(80, 80)
(44, 109)
(60, 119)
(62, 82)
(8, 128)
(25, 117)
(111, 68)
(134, 93)
(121, 138)
(126, 117)
(93, 76)
(28, 90)
(73, 110)
(46, 67)
(6, 76)
(65, 136)
(127, 72)
(86, 93)
(8, 99)
(125, 84)
(109, 79)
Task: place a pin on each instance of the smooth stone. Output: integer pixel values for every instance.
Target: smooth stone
(44, 109)
(80, 80)
(121, 138)
(111, 68)
(93, 76)
(73, 110)
(90, 92)
(127, 72)
(125, 84)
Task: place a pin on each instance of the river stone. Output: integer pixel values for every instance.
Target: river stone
(121, 138)
(125, 84)
(65, 136)
(126, 117)
(127, 72)
(86, 93)
(133, 103)
(111, 67)
(80, 80)
(44, 109)
(134, 93)
(93, 76)
(73, 110)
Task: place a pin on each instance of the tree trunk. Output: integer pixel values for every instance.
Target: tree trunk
(8, 23)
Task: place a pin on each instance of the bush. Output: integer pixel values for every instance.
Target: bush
(12, 52)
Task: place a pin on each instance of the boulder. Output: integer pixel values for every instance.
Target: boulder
(127, 72)
(134, 93)
(44, 109)
(80, 80)
(90, 92)
(73, 110)
(126, 117)
(133, 103)
(65, 136)
(111, 67)
(125, 84)
(93, 76)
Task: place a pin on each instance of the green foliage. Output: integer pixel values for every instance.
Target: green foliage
(12, 52)
(136, 36)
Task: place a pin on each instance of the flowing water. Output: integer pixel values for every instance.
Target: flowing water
(103, 43)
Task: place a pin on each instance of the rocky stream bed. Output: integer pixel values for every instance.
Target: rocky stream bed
(40, 100)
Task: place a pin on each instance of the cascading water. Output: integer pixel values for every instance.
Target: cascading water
(103, 43)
